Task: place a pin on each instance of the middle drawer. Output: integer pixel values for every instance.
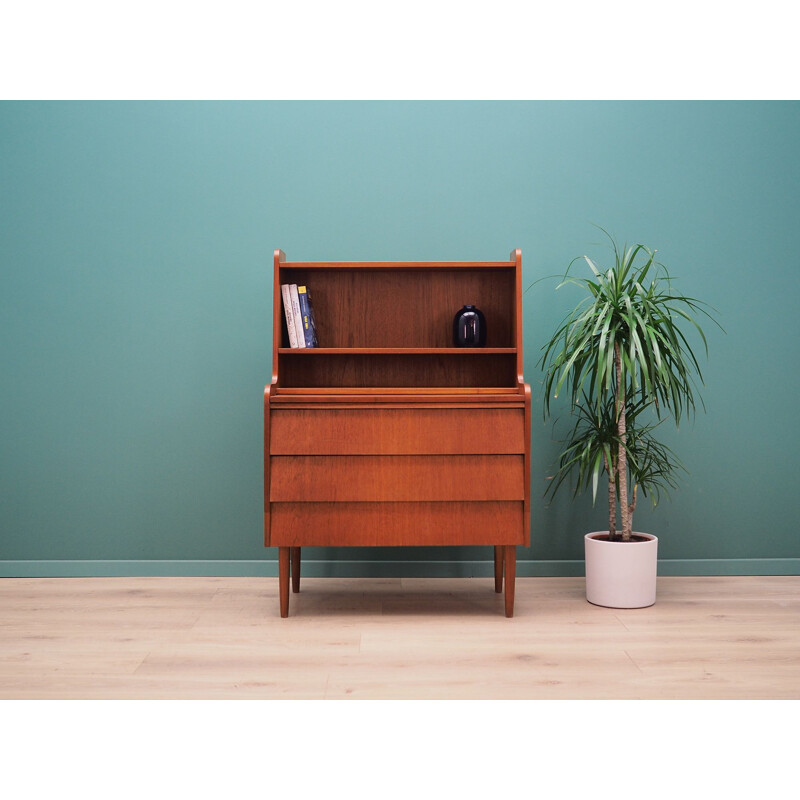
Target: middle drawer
(396, 478)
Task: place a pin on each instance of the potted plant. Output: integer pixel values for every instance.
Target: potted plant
(627, 366)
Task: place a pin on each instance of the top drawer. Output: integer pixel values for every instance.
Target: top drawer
(396, 431)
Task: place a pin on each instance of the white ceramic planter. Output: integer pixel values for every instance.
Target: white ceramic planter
(621, 574)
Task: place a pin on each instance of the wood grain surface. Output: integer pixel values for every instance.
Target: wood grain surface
(396, 431)
(393, 524)
(407, 478)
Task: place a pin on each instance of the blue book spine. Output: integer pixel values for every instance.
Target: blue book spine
(307, 315)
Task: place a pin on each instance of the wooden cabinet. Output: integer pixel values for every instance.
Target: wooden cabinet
(387, 434)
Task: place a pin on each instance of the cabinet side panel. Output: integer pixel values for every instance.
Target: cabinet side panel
(267, 460)
(527, 468)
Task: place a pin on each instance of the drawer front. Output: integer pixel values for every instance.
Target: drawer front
(396, 524)
(393, 478)
(377, 431)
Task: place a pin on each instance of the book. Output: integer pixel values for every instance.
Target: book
(289, 314)
(307, 316)
(298, 322)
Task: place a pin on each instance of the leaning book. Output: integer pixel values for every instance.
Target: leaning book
(307, 317)
(289, 315)
(298, 322)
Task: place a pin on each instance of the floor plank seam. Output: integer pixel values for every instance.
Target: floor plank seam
(633, 661)
(621, 622)
(141, 663)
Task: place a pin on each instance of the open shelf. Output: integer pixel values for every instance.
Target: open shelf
(391, 325)
(394, 308)
(429, 367)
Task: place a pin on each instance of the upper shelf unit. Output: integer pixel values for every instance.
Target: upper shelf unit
(390, 324)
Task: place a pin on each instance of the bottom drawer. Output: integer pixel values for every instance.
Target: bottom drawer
(396, 524)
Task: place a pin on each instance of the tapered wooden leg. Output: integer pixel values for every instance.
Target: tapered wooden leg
(498, 568)
(295, 569)
(510, 564)
(283, 579)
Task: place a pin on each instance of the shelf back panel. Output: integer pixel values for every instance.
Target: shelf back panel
(405, 308)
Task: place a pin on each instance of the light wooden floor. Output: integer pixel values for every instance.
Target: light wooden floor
(709, 637)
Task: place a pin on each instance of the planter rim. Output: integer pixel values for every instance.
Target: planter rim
(649, 536)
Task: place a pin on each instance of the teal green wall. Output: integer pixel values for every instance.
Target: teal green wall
(135, 320)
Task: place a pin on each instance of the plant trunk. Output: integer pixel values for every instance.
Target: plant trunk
(632, 506)
(622, 460)
(612, 499)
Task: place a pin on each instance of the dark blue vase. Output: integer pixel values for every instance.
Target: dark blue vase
(469, 328)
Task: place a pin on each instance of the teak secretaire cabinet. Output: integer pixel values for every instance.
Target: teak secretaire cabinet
(386, 434)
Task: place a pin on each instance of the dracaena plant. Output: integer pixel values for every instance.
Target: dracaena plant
(622, 357)
(592, 450)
